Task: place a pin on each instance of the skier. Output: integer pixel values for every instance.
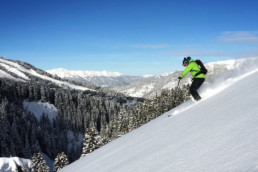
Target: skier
(198, 76)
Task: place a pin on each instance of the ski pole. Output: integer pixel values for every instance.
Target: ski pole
(178, 82)
(176, 90)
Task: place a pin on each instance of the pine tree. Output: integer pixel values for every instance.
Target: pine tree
(91, 141)
(27, 149)
(34, 143)
(38, 164)
(15, 139)
(5, 131)
(61, 161)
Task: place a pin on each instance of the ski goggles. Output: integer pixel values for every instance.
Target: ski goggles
(185, 64)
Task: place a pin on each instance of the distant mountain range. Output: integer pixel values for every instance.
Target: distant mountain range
(102, 79)
(137, 86)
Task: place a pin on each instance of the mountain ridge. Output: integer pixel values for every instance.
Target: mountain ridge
(99, 78)
(22, 71)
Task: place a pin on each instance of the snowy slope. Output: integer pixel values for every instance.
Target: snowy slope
(22, 74)
(218, 134)
(38, 108)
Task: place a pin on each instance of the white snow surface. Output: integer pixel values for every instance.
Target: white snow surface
(217, 134)
(10, 164)
(230, 64)
(38, 108)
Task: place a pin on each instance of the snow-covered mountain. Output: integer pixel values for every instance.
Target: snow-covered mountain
(102, 79)
(149, 88)
(217, 134)
(20, 71)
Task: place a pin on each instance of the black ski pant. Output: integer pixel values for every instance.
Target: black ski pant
(197, 82)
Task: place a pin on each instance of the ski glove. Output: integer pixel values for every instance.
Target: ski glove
(179, 78)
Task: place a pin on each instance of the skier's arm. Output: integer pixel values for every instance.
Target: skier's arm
(187, 69)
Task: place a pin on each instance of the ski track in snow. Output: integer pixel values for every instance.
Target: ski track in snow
(15, 70)
(3, 74)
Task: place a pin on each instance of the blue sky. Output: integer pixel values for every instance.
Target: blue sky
(134, 37)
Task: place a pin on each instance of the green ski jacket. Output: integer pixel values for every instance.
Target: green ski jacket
(193, 68)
